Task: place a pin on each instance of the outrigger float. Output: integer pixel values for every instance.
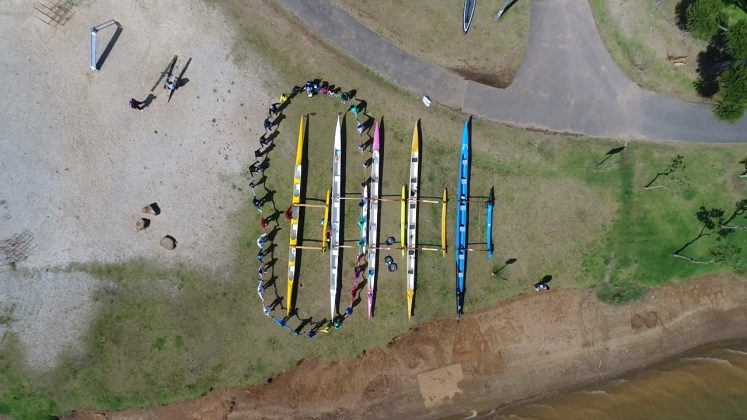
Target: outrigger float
(412, 218)
(334, 221)
(489, 228)
(296, 211)
(373, 221)
(462, 220)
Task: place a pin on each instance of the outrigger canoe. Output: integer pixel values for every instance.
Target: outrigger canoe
(489, 228)
(462, 221)
(297, 175)
(373, 222)
(412, 218)
(469, 13)
(363, 222)
(334, 222)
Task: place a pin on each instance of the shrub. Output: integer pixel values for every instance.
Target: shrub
(704, 18)
(731, 99)
(736, 40)
(619, 293)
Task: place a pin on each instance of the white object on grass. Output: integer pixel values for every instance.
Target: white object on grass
(426, 101)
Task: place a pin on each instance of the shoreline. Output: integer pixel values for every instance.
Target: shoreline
(667, 364)
(523, 349)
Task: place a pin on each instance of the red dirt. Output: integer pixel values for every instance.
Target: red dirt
(519, 349)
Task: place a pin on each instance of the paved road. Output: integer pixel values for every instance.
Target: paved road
(567, 82)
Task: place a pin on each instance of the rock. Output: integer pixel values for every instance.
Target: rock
(168, 242)
(142, 224)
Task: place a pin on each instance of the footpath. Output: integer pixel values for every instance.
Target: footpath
(567, 82)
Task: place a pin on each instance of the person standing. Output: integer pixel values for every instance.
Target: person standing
(135, 104)
(355, 111)
(257, 204)
(253, 185)
(274, 109)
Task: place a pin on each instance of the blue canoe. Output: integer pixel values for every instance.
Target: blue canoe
(462, 220)
(469, 12)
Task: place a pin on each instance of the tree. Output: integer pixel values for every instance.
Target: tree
(705, 18)
(731, 99)
(677, 163)
(736, 40)
(714, 221)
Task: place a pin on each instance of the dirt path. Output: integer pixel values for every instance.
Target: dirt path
(523, 348)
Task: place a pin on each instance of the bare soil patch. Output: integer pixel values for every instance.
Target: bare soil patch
(545, 343)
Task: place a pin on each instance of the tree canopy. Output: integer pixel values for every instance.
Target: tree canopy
(731, 99)
(736, 40)
(705, 18)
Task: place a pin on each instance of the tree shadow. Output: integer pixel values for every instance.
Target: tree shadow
(710, 64)
(610, 153)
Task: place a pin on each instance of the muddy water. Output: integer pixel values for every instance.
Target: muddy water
(709, 383)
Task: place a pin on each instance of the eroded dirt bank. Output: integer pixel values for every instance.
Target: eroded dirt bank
(525, 347)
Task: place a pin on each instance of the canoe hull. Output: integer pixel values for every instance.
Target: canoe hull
(373, 221)
(462, 220)
(295, 217)
(489, 228)
(412, 217)
(468, 14)
(334, 221)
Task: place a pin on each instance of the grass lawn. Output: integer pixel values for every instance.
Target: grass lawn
(490, 53)
(639, 37)
(168, 335)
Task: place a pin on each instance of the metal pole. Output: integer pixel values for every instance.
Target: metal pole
(93, 48)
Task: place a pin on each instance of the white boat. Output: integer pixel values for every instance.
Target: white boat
(334, 221)
(412, 218)
(373, 221)
(363, 222)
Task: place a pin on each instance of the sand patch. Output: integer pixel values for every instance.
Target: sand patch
(49, 310)
(79, 165)
(439, 385)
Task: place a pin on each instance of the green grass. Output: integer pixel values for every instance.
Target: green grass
(165, 335)
(653, 224)
(640, 46)
(491, 53)
(21, 396)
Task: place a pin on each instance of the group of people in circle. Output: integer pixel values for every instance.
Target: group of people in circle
(265, 242)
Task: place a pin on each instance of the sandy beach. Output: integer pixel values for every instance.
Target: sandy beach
(532, 346)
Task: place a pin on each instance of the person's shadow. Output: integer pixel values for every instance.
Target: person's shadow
(149, 100)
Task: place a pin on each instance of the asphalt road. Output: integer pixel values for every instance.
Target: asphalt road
(567, 82)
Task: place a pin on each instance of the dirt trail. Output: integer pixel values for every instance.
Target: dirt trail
(526, 347)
